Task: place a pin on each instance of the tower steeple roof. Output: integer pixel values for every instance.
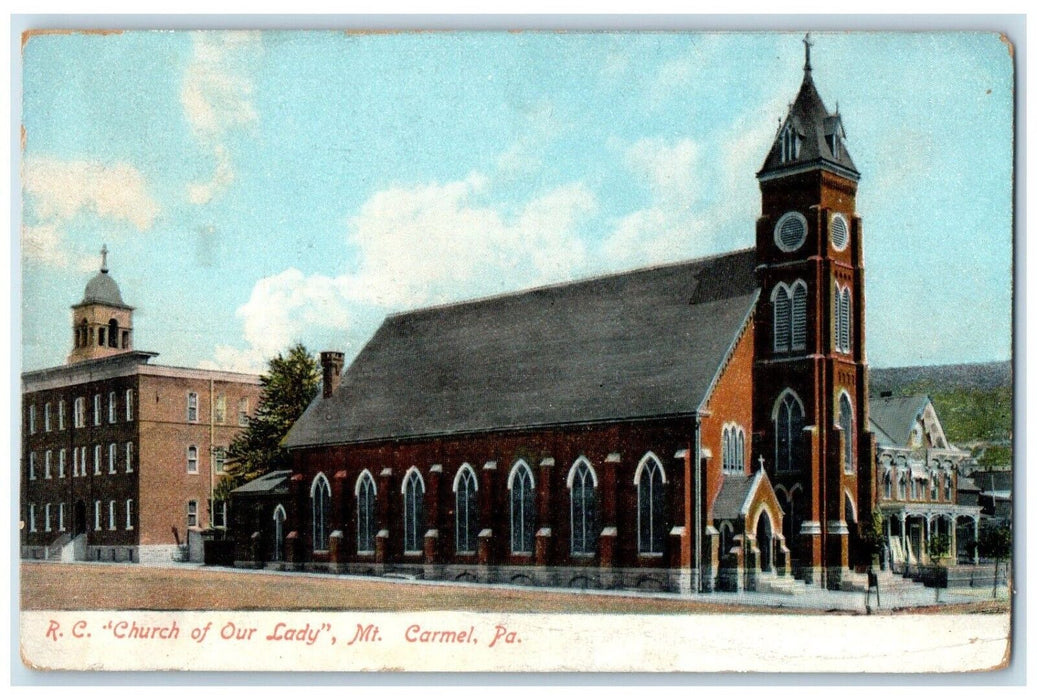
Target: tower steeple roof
(809, 136)
(102, 289)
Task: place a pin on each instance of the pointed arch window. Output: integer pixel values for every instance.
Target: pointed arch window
(789, 144)
(413, 511)
(583, 511)
(789, 421)
(733, 449)
(650, 480)
(279, 517)
(520, 486)
(846, 424)
(365, 513)
(320, 505)
(790, 316)
(466, 530)
(799, 315)
(842, 318)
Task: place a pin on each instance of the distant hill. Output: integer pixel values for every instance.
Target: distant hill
(974, 402)
(939, 378)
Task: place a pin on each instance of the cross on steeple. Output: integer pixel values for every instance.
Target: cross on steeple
(104, 258)
(761, 462)
(807, 43)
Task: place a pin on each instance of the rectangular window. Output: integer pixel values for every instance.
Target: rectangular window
(46, 518)
(219, 457)
(111, 515)
(947, 487)
(111, 458)
(61, 517)
(61, 463)
(97, 515)
(221, 409)
(129, 457)
(192, 460)
(32, 517)
(82, 461)
(192, 407)
(32, 466)
(243, 412)
(129, 405)
(97, 409)
(46, 464)
(97, 459)
(219, 513)
(129, 513)
(192, 514)
(79, 412)
(46, 417)
(112, 412)
(61, 414)
(75, 461)
(32, 419)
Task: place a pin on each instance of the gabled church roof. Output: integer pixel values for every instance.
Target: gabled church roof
(636, 345)
(814, 127)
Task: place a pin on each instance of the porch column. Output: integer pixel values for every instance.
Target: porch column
(954, 539)
(975, 539)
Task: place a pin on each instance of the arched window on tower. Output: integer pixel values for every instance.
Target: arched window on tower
(842, 319)
(365, 513)
(520, 484)
(466, 528)
(413, 511)
(113, 334)
(782, 302)
(799, 315)
(789, 144)
(320, 502)
(789, 421)
(650, 480)
(790, 316)
(583, 511)
(846, 423)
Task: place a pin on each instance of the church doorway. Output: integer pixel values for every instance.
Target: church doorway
(79, 518)
(765, 541)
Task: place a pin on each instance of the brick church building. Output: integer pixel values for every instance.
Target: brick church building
(120, 457)
(688, 427)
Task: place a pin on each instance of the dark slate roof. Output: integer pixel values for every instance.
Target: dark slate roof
(893, 417)
(102, 289)
(640, 344)
(966, 484)
(732, 496)
(992, 481)
(812, 122)
(272, 483)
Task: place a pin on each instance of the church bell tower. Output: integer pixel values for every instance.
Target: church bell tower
(810, 371)
(102, 325)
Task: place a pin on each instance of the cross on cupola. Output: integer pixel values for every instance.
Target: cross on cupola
(104, 258)
(807, 43)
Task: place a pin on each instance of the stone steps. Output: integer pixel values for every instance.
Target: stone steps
(782, 585)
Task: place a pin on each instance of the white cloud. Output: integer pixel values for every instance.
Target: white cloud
(418, 245)
(216, 95)
(57, 192)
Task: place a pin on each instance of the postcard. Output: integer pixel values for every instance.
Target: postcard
(516, 351)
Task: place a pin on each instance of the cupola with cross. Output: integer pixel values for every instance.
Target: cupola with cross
(810, 376)
(102, 324)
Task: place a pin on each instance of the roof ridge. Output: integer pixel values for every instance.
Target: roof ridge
(569, 283)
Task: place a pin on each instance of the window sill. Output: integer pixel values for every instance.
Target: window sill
(412, 553)
(650, 555)
(582, 555)
(365, 553)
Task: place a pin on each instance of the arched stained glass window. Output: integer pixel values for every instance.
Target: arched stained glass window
(651, 492)
(466, 528)
(583, 507)
(846, 423)
(788, 427)
(320, 500)
(365, 512)
(413, 511)
(520, 483)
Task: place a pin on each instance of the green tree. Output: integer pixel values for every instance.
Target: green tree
(938, 547)
(289, 385)
(995, 543)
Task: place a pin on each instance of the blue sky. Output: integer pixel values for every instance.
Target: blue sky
(257, 189)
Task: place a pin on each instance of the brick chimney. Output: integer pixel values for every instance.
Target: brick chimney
(331, 362)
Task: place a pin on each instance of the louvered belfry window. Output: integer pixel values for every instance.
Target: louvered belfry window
(799, 316)
(842, 319)
(782, 318)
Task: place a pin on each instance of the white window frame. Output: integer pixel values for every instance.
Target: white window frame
(46, 417)
(32, 466)
(411, 516)
(192, 513)
(97, 459)
(129, 405)
(781, 222)
(112, 457)
(219, 460)
(46, 517)
(129, 513)
(320, 497)
(192, 459)
(219, 508)
(570, 483)
(97, 409)
(32, 419)
(831, 227)
(649, 465)
(75, 461)
(129, 457)
(112, 407)
(79, 412)
(111, 514)
(849, 453)
(192, 407)
(364, 482)
(517, 516)
(62, 458)
(82, 461)
(32, 517)
(243, 412)
(220, 409)
(97, 515)
(463, 475)
(61, 414)
(61, 517)
(48, 457)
